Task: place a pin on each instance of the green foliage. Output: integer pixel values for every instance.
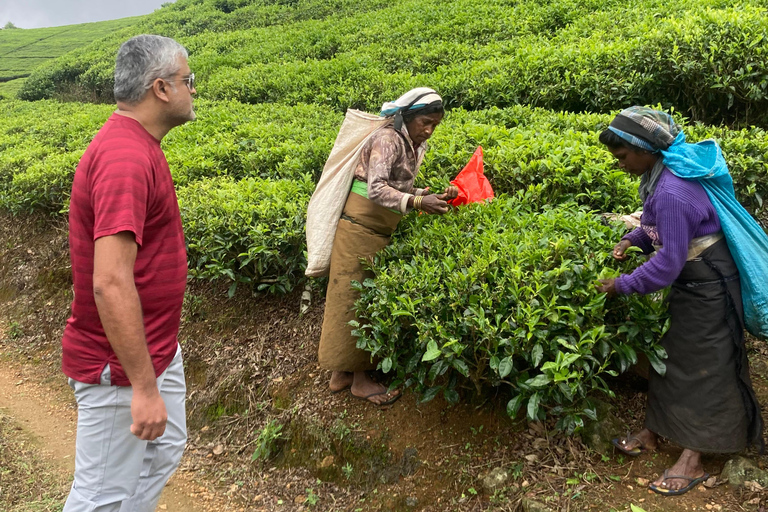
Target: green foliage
(253, 232)
(500, 296)
(312, 497)
(21, 51)
(260, 141)
(496, 297)
(701, 56)
(87, 72)
(267, 442)
(248, 231)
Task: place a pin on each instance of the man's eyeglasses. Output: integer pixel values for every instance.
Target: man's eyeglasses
(190, 81)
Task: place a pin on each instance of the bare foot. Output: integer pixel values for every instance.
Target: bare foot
(688, 465)
(644, 440)
(364, 387)
(340, 381)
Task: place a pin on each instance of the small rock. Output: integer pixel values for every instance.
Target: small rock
(532, 457)
(328, 461)
(219, 449)
(530, 505)
(711, 482)
(410, 462)
(495, 479)
(642, 482)
(205, 429)
(525, 483)
(740, 470)
(163, 506)
(753, 486)
(411, 501)
(299, 499)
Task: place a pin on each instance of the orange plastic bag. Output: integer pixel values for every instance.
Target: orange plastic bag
(473, 186)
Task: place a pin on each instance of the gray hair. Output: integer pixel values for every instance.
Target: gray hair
(140, 61)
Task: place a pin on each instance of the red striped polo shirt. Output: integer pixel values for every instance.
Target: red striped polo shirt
(123, 183)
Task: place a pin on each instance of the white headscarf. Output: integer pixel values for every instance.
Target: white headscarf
(414, 99)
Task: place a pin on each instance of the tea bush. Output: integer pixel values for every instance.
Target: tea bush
(700, 56)
(248, 231)
(262, 141)
(554, 156)
(501, 296)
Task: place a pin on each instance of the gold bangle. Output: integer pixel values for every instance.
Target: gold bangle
(417, 202)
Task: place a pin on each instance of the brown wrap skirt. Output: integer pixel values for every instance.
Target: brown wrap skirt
(364, 229)
(705, 401)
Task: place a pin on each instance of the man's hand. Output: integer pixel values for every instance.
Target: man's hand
(149, 415)
(607, 286)
(620, 250)
(117, 301)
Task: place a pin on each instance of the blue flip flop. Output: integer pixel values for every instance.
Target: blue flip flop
(692, 482)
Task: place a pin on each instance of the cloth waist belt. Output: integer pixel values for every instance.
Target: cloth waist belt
(361, 188)
(700, 244)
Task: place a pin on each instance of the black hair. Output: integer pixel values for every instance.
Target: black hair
(613, 141)
(433, 108)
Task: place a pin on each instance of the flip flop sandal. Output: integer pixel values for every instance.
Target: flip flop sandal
(692, 482)
(634, 452)
(392, 400)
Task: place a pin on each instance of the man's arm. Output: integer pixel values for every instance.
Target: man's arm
(119, 307)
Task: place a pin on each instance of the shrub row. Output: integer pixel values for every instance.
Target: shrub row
(248, 231)
(701, 57)
(553, 156)
(501, 297)
(262, 141)
(86, 73)
(706, 63)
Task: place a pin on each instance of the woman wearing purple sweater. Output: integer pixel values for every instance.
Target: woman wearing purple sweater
(704, 402)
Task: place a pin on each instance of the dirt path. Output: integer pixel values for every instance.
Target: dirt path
(48, 414)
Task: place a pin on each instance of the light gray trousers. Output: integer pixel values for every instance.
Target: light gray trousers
(114, 470)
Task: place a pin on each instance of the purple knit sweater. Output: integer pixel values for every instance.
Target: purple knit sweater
(677, 212)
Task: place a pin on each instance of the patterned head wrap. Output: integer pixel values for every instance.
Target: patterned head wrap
(645, 128)
(650, 130)
(412, 101)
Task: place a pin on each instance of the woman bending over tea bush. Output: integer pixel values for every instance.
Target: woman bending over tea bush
(705, 401)
(382, 192)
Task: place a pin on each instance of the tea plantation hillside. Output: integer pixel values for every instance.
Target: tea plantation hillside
(22, 50)
(704, 57)
(531, 82)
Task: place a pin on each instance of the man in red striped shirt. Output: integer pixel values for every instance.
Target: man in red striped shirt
(129, 268)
